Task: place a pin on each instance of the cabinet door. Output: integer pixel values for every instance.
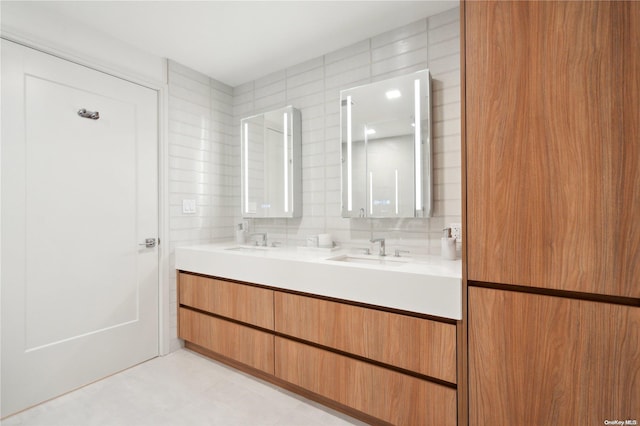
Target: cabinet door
(243, 344)
(543, 360)
(424, 346)
(627, 263)
(393, 397)
(245, 303)
(552, 112)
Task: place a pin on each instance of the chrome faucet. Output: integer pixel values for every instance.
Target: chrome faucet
(382, 247)
(398, 251)
(262, 242)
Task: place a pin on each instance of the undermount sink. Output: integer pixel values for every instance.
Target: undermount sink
(250, 248)
(370, 260)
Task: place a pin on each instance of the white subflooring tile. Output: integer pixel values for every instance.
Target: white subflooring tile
(182, 388)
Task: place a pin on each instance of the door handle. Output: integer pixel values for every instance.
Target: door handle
(94, 115)
(149, 243)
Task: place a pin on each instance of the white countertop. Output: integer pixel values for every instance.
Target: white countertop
(426, 284)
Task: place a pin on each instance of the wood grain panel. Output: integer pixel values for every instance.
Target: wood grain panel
(552, 180)
(252, 305)
(420, 345)
(542, 360)
(243, 344)
(626, 162)
(385, 394)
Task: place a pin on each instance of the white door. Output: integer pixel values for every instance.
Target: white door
(79, 294)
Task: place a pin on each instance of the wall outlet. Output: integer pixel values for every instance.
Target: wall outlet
(456, 231)
(188, 206)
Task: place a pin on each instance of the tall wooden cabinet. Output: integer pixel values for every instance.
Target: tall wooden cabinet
(552, 175)
(553, 144)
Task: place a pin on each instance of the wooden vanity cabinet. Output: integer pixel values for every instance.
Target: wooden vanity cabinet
(382, 367)
(416, 344)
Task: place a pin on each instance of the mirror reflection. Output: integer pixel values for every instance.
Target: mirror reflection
(386, 148)
(270, 164)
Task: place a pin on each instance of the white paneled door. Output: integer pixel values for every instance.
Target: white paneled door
(79, 197)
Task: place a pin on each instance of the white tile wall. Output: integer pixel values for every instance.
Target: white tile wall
(202, 161)
(314, 87)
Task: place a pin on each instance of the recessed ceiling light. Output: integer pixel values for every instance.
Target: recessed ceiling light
(393, 94)
(371, 131)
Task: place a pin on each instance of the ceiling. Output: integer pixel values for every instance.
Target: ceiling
(239, 41)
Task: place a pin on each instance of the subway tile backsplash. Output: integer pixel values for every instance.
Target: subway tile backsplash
(204, 139)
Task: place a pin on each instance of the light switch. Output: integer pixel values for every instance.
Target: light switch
(188, 206)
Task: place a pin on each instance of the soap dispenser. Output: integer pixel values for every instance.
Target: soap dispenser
(240, 234)
(448, 245)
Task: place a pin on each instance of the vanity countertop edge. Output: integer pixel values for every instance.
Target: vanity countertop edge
(425, 285)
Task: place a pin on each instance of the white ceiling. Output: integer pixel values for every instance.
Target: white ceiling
(239, 41)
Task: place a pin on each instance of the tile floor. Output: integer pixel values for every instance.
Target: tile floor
(182, 388)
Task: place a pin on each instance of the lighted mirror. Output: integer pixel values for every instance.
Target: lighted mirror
(270, 164)
(386, 148)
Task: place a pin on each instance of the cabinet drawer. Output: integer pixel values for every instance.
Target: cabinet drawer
(245, 303)
(243, 344)
(388, 395)
(420, 345)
